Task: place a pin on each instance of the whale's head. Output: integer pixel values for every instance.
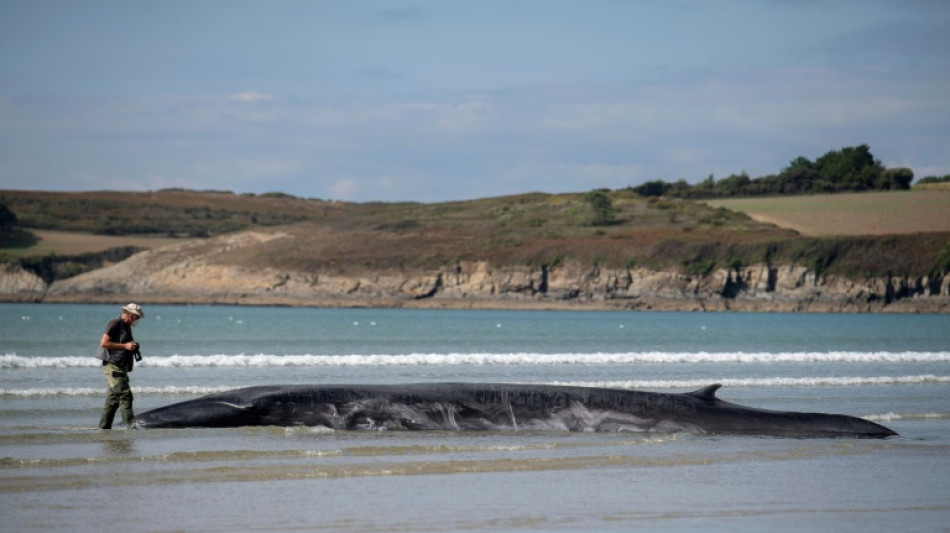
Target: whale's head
(210, 411)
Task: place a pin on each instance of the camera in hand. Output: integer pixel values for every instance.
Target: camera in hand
(136, 353)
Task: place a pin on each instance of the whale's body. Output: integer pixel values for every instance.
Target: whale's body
(488, 406)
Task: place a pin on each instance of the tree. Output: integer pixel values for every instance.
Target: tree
(797, 180)
(897, 179)
(850, 169)
(652, 188)
(602, 206)
(933, 179)
(799, 164)
(734, 185)
(7, 218)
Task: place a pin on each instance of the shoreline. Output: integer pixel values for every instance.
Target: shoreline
(930, 305)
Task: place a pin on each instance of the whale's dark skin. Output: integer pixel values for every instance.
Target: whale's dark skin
(492, 406)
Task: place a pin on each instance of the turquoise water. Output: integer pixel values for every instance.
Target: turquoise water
(58, 472)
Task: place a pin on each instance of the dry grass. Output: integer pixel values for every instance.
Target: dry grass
(872, 213)
(531, 228)
(521, 230)
(68, 243)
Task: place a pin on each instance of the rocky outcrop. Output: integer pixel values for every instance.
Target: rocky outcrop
(18, 285)
(207, 272)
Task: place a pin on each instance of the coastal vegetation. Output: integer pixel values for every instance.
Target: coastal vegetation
(933, 182)
(808, 215)
(600, 228)
(847, 170)
(168, 212)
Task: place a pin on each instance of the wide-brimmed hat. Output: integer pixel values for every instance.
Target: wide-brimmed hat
(134, 309)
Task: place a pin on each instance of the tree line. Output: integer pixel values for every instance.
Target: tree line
(849, 169)
(934, 179)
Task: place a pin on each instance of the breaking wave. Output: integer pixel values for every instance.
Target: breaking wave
(890, 417)
(13, 361)
(99, 391)
(924, 379)
(172, 390)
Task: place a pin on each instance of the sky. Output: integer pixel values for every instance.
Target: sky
(432, 101)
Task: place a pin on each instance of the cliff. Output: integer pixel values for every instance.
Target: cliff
(207, 271)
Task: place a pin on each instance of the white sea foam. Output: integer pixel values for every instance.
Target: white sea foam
(924, 379)
(13, 361)
(890, 417)
(100, 391)
(635, 385)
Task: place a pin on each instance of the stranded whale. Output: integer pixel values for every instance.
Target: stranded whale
(492, 406)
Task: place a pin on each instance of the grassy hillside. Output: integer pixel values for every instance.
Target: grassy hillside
(171, 212)
(528, 229)
(177, 213)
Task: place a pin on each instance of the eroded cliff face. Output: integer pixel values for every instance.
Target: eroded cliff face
(18, 285)
(206, 272)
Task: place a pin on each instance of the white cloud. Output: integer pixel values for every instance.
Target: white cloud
(555, 138)
(345, 189)
(250, 97)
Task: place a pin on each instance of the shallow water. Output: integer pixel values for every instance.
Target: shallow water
(57, 472)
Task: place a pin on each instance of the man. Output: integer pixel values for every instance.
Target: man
(118, 351)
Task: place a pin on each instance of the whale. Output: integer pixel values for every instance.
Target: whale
(498, 407)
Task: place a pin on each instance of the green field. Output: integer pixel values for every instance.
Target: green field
(871, 213)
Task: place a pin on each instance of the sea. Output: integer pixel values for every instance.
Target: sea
(58, 472)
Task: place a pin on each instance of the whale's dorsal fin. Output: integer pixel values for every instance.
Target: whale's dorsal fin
(706, 393)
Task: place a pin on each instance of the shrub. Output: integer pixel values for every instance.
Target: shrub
(602, 206)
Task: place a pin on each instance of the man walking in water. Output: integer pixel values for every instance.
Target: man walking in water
(119, 351)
